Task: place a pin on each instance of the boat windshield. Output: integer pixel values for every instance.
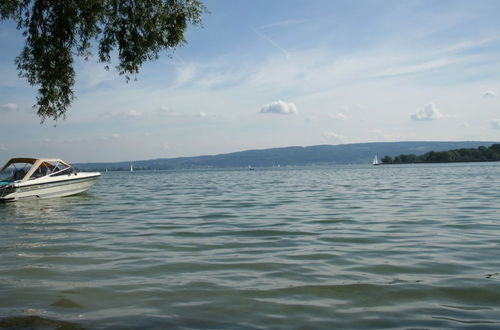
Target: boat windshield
(61, 169)
(14, 172)
(51, 169)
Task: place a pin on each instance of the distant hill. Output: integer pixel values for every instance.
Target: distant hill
(356, 153)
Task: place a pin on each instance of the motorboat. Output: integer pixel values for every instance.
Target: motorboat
(42, 178)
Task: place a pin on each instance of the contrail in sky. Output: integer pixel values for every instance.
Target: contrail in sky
(272, 42)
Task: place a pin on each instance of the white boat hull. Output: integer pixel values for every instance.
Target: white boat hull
(49, 187)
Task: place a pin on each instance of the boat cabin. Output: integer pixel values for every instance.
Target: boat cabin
(24, 169)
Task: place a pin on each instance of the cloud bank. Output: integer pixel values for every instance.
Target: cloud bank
(495, 124)
(279, 107)
(429, 112)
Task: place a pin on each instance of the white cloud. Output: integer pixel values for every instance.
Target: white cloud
(403, 69)
(489, 93)
(284, 24)
(338, 116)
(133, 113)
(212, 79)
(201, 114)
(495, 124)
(3, 147)
(166, 111)
(166, 146)
(280, 107)
(429, 112)
(9, 107)
(91, 74)
(341, 116)
(185, 73)
(114, 136)
(334, 137)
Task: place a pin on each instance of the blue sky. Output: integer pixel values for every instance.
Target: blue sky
(264, 74)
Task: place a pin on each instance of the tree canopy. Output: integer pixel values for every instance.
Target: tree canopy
(481, 154)
(57, 31)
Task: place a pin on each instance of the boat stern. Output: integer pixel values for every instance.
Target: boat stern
(8, 192)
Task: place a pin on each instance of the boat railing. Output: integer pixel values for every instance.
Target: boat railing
(67, 170)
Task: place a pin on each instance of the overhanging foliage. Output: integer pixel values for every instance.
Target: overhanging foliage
(57, 31)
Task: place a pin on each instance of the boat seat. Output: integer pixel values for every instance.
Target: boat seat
(19, 174)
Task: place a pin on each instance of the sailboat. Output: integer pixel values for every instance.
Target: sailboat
(131, 168)
(376, 161)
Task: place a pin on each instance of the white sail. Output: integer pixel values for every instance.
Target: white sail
(376, 160)
(131, 168)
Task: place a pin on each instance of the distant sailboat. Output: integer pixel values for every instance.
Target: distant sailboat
(376, 161)
(131, 168)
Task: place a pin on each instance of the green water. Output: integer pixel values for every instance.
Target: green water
(389, 247)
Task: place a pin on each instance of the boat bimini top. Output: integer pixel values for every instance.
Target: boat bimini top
(25, 169)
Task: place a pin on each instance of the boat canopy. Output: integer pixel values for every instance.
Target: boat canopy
(45, 165)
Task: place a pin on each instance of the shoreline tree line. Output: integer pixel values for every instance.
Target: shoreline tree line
(480, 154)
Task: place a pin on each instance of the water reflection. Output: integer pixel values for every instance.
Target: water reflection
(42, 210)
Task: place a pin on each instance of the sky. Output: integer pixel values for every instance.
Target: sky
(264, 74)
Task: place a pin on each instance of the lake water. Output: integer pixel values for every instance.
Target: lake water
(360, 247)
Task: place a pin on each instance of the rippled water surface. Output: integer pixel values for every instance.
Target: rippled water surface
(339, 247)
